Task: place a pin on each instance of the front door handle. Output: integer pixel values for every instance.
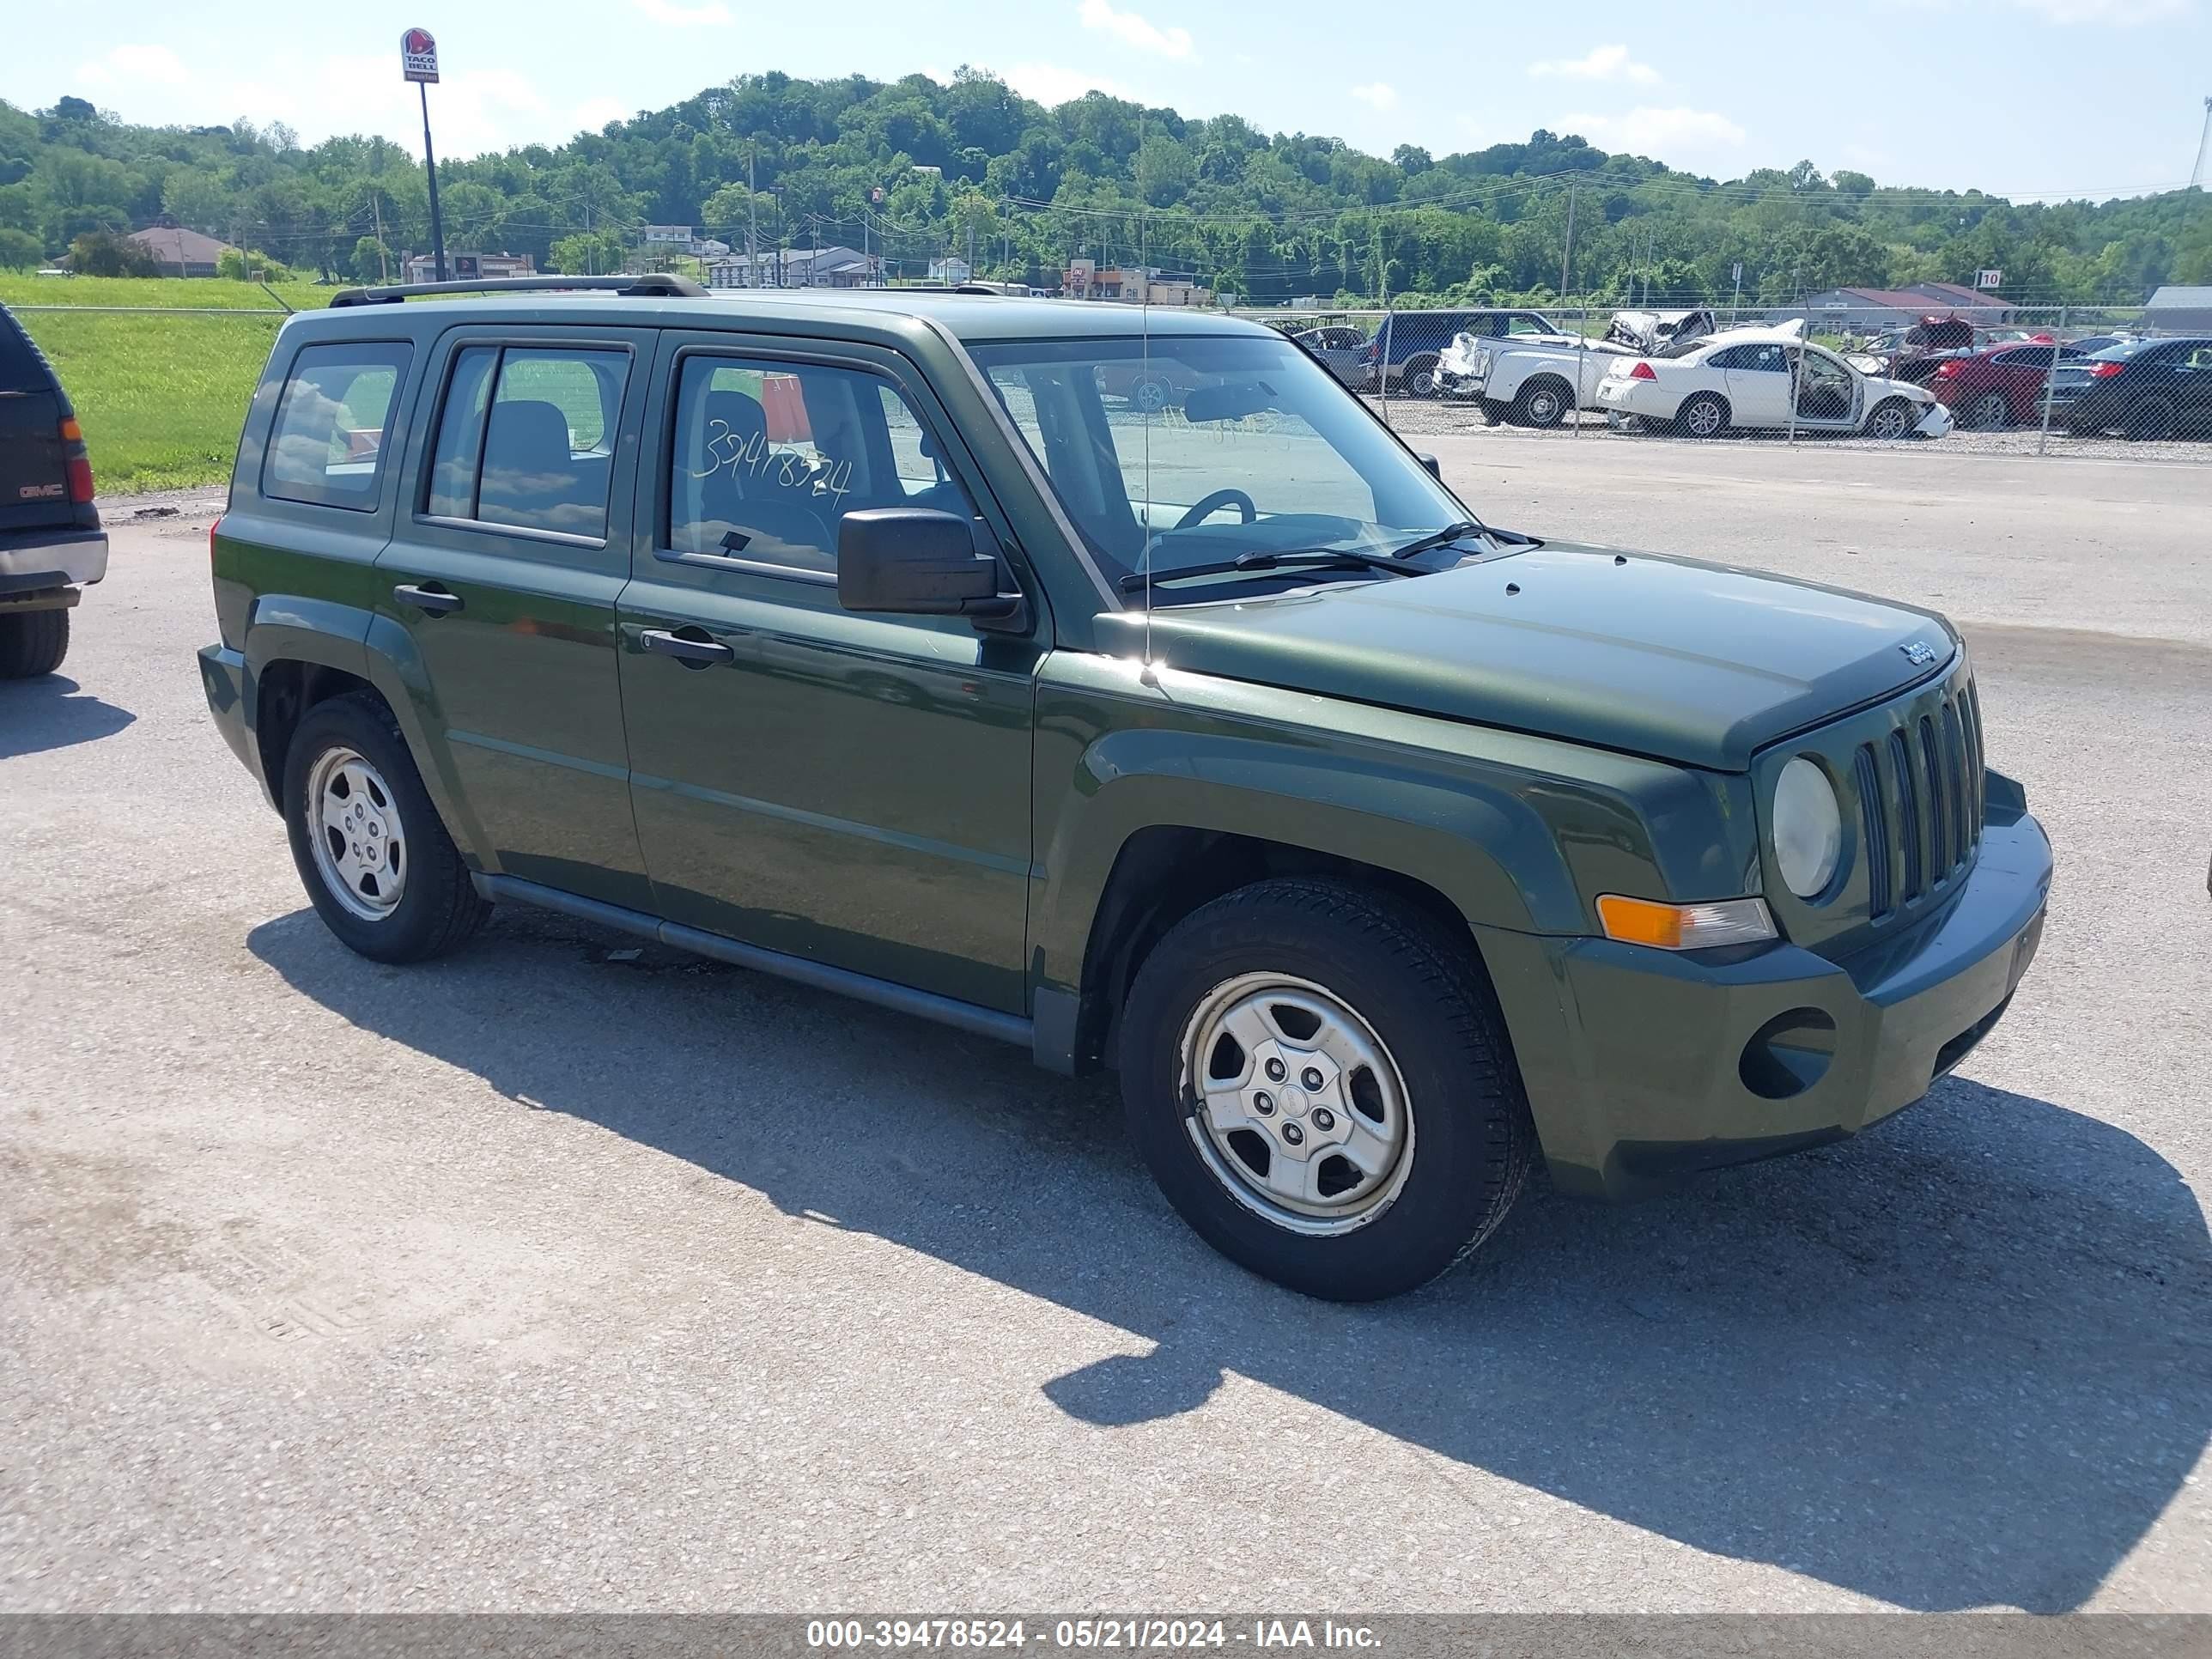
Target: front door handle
(685, 649)
(430, 598)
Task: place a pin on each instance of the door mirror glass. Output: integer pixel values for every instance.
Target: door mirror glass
(913, 561)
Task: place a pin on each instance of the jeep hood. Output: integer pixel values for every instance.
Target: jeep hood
(1696, 663)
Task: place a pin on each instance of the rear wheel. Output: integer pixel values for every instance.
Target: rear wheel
(1320, 1082)
(1149, 396)
(376, 860)
(1543, 402)
(1988, 410)
(1420, 378)
(1703, 414)
(32, 642)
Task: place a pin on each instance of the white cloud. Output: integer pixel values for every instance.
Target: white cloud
(1378, 93)
(668, 11)
(1661, 134)
(594, 113)
(134, 65)
(1602, 64)
(1133, 29)
(2116, 14)
(1051, 85)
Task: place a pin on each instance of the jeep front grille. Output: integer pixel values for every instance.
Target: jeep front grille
(1920, 801)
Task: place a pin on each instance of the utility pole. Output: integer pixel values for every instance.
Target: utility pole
(2203, 149)
(752, 220)
(383, 262)
(1567, 254)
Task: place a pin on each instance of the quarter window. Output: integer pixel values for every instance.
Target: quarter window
(769, 456)
(327, 445)
(525, 438)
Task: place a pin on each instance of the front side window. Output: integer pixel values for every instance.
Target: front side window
(525, 438)
(768, 457)
(327, 445)
(1263, 453)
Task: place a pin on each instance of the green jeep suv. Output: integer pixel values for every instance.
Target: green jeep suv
(869, 640)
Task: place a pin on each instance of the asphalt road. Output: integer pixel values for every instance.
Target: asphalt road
(546, 1278)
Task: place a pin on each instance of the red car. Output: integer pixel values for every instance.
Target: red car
(1999, 386)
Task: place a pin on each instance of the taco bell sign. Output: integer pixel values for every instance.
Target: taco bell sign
(418, 55)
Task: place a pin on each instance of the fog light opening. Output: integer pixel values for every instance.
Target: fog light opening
(1788, 1054)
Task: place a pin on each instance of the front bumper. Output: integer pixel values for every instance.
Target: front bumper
(1936, 421)
(1642, 1066)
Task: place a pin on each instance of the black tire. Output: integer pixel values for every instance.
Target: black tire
(1424, 994)
(1492, 412)
(32, 642)
(2150, 419)
(1687, 421)
(1897, 405)
(1544, 402)
(1418, 377)
(439, 909)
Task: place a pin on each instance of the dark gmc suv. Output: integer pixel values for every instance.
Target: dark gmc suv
(862, 638)
(52, 546)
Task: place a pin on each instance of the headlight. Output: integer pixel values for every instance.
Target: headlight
(1808, 828)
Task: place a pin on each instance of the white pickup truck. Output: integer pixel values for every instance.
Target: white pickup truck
(1539, 381)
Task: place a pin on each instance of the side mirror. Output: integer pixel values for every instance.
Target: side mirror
(916, 561)
(1436, 467)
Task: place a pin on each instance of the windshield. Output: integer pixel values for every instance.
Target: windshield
(1206, 449)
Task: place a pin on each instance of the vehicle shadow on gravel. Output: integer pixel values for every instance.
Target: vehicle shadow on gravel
(1961, 1361)
(53, 712)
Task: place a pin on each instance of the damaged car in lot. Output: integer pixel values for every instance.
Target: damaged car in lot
(1766, 379)
(1538, 380)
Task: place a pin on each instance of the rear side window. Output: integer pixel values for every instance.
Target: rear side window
(525, 438)
(327, 447)
(22, 369)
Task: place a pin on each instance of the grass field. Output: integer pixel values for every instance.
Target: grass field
(160, 398)
(168, 292)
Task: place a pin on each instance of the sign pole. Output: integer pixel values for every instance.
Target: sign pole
(430, 166)
(418, 62)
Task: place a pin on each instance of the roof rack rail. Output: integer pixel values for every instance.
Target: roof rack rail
(649, 285)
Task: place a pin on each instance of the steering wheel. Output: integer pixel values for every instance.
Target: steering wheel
(1214, 503)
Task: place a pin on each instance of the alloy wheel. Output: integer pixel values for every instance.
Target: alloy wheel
(360, 843)
(1299, 1110)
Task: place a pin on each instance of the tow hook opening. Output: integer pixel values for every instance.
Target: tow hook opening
(1788, 1054)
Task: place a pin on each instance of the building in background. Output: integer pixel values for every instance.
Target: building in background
(666, 238)
(797, 267)
(1085, 279)
(951, 269)
(178, 252)
(467, 267)
(2176, 310)
(1860, 308)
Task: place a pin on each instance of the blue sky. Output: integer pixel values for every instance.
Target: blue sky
(1945, 93)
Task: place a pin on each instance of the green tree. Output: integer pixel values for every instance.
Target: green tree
(19, 250)
(103, 253)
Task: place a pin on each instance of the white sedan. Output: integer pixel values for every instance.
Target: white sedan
(1741, 380)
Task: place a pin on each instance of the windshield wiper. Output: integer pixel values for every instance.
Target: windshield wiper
(1313, 559)
(1465, 527)
(1450, 532)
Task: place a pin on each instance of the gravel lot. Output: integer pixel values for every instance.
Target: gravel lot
(544, 1278)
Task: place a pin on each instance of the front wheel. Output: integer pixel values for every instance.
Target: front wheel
(1891, 421)
(374, 857)
(1320, 1080)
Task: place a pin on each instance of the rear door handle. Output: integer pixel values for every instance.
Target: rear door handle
(684, 648)
(430, 598)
